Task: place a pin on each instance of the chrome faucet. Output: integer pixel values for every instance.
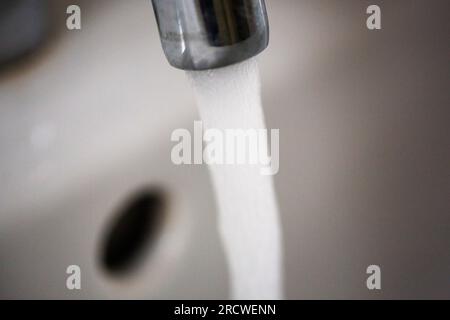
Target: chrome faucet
(208, 34)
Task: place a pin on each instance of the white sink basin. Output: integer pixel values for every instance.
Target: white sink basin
(363, 118)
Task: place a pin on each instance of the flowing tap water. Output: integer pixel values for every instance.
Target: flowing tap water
(230, 98)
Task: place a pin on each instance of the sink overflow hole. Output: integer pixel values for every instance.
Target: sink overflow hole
(132, 232)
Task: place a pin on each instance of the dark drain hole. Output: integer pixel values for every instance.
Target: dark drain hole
(133, 231)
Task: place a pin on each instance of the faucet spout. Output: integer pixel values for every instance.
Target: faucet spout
(208, 34)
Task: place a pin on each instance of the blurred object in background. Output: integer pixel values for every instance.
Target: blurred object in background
(23, 26)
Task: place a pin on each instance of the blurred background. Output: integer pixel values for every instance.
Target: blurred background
(86, 177)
